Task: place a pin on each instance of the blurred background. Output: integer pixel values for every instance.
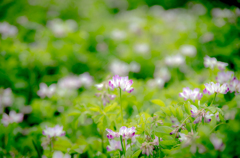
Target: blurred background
(77, 43)
(45, 40)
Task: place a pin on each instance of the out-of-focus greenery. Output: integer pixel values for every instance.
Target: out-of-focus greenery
(58, 38)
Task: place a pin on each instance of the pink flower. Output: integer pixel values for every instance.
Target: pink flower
(46, 91)
(199, 114)
(114, 145)
(217, 143)
(147, 148)
(191, 94)
(210, 62)
(234, 85)
(156, 141)
(111, 134)
(121, 82)
(127, 133)
(221, 65)
(224, 77)
(211, 88)
(12, 117)
(54, 131)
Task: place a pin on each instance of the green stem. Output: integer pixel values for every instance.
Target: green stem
(122, 145)
(51, 146)
(215, 94)
(159, 147)
(121, 105)
(217, 126)
(183, 121)
(103, 142)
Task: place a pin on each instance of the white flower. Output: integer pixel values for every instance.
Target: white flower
(221, 65)
(188, 50)
(86, 79)
(54, 131)
(127, 133)
(210, 62)
(207, 117)
(134, 67)
(121, 82)
(6, 98)
(224, 77)
(119, 68)
(212, 88)
(118, 34)
(12, 117)
(70, 82)
(46, 91)
(217, 143)
(59, 154)
(114, 145)
(183, 137)
(234, 85)
(175, 60)
(141, 48)
(191, 94)
(217, 116)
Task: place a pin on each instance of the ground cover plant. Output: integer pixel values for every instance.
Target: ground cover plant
(119, 79)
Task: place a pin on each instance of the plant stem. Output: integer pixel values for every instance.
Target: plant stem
(103, 142)
(184, 121)
(51, 146)
(217, 126)
(215, 94)
(122, 145)
(159, 147)
(121, 105)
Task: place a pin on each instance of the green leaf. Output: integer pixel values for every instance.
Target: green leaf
(212, 109)
(62, 144)
(179, 114)
(162, 130)
(168, 143)
(158, 102)
(74, 113)
(37, 149)
(166, 110)
(173, 110)
(137, 153)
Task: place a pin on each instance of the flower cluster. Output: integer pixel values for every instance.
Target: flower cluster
(212, 62)
(224, 77)
(148, 147)
(46, 91)
(126, 133)
(234, 85)
(54, 131)
(211, 88)
(121, 82)
(191, 94)
(199, 114)
(12, 117)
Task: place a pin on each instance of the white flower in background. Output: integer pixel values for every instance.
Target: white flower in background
(118, 34)
(175, 60)
(221, 65)
(188, 50)
(222, 13)
(56, 131)
(114, 145)
(199, 9)
(61, 28)
(182, 137)
(217, 143)
(6, 97)
(157, 82)
(207, 37)
(134, 67)
(162, 73)
(211, 88)
(224, 77)
(234, 85)
(11, 118)
(7, 30)
(46, 91)
(121, 82)
(141, 48)
(210, 62)
(70, 82)
(86, 79)
(119, 68)
(99, 86)
(191, 94)
(59, 154)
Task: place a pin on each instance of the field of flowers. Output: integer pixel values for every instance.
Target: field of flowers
(123, 79)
